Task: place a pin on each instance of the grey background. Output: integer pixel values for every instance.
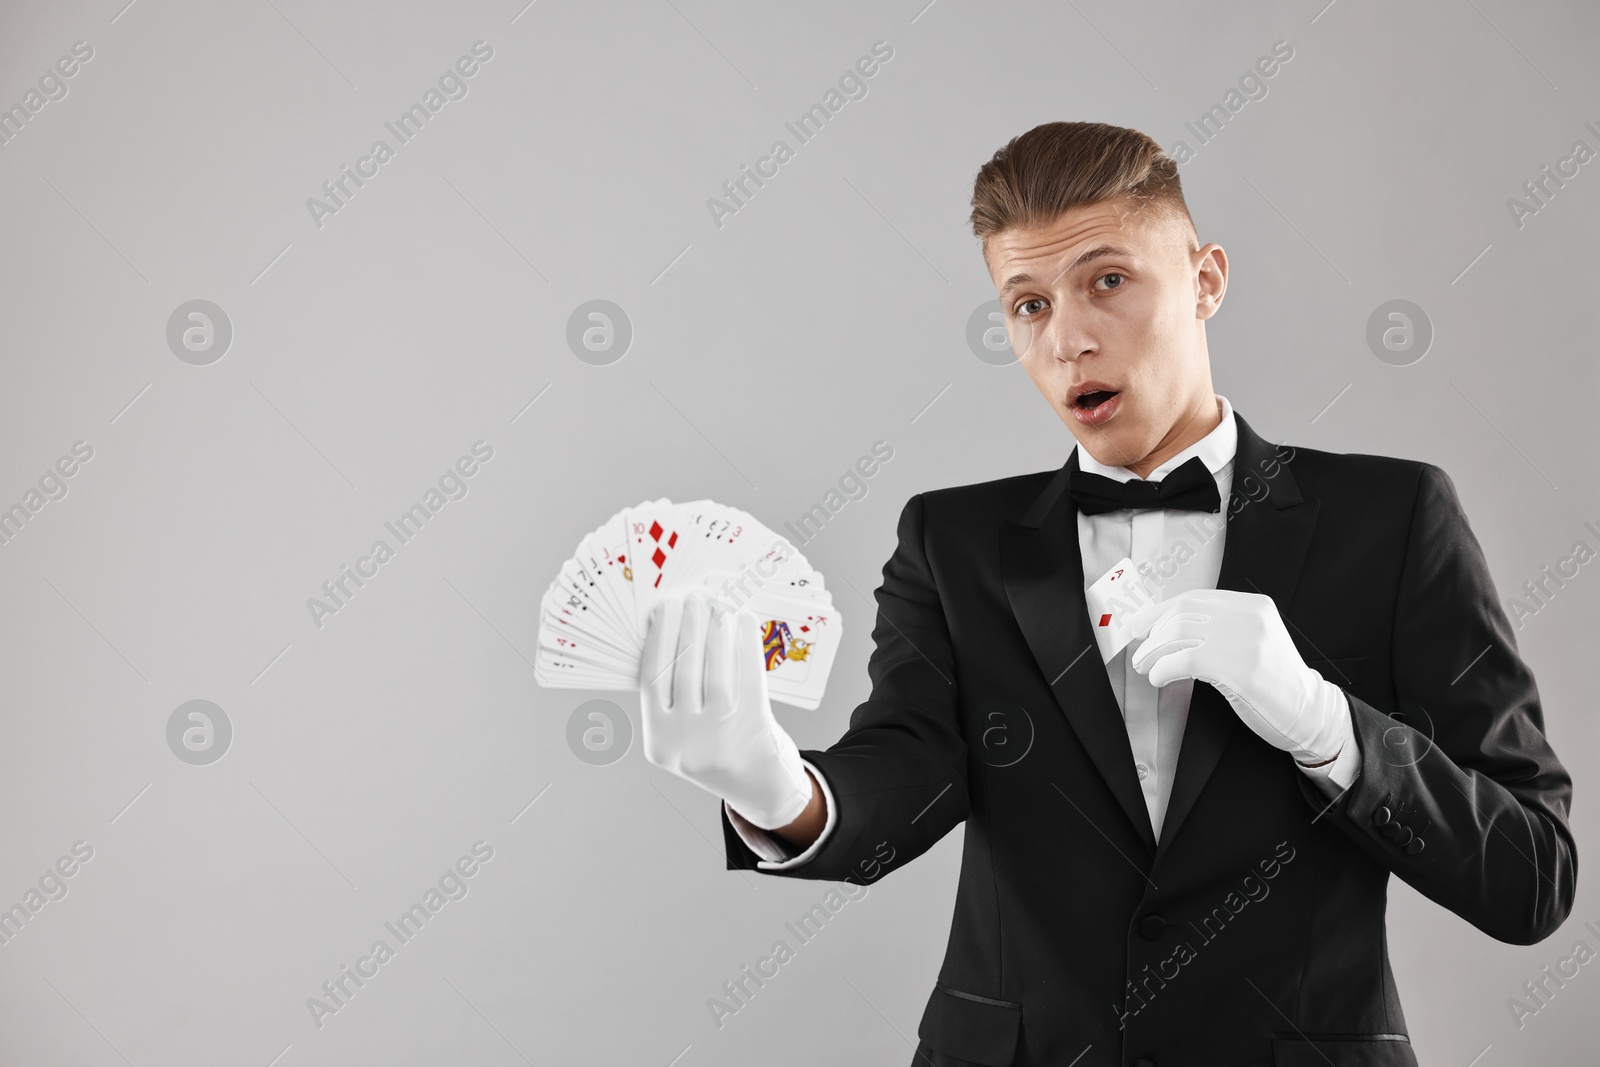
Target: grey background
(830, 312)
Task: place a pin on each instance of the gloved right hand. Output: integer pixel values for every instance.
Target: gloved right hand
(707, 718)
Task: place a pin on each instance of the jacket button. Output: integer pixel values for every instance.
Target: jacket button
(1381, 816)
(1415, 846)
(1404, 837)
(1144, 1062)
(1152, 927)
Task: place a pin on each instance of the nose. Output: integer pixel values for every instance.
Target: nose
(1058, 341)
(1048, 341)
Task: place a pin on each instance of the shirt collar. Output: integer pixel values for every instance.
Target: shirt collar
(1216, 450)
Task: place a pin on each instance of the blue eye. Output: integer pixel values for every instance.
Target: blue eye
(1025, 314)
(1112, 274)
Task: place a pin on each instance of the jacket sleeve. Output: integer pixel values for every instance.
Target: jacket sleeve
(898, 776)
(1459, 792)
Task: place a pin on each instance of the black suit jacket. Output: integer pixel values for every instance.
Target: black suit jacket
(1252, 932)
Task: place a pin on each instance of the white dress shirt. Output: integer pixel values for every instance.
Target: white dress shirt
(1173, 552)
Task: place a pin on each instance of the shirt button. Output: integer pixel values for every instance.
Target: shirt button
(1142, 771)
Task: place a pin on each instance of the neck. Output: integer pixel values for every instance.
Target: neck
(1194, 424)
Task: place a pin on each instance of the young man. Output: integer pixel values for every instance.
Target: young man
(1178, 855)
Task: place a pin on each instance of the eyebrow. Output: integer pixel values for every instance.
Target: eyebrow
(1098, 252)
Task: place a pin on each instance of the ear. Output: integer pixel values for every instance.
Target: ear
(1211, 280)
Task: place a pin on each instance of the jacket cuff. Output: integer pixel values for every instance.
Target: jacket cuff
(777, 854)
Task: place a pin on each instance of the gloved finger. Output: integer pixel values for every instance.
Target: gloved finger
(1188, 620)
(1187, 625)
(1178, 662)
(688, 681)
(1149, 615)
(722, 661)
(752, 660)
(660, 646)
(1143, 617)
(1155, 649)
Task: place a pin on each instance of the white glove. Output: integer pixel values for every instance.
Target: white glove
(1237, 643)
(703, 698)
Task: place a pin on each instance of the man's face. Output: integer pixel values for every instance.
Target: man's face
(1114, 298)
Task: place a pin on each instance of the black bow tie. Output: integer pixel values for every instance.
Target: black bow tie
(1190, 487)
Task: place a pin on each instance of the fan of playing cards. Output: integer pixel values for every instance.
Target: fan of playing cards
(592, 620)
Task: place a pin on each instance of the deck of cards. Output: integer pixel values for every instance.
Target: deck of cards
(593, 617)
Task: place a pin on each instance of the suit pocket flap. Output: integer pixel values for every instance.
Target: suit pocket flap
(1345, 671)
(1344, 1050)
(971, 1027)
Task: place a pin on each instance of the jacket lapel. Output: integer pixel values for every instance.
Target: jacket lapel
(1269, 530)
(1042, 567)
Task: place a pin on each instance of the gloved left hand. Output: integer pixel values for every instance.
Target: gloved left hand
(707, 716)
(1236, 642)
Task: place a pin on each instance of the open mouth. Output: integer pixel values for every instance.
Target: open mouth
(1095, 399)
